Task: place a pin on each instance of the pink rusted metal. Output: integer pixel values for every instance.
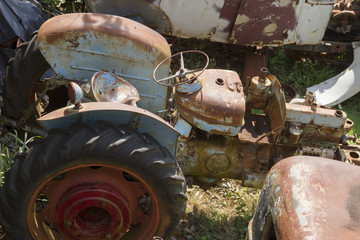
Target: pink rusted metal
(308, 198)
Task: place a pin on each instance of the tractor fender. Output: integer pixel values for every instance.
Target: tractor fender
(115, 113)
(308, 198)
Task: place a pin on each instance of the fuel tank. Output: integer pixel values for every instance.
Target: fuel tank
(218, 107)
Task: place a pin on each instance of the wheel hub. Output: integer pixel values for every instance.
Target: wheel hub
(93, 211)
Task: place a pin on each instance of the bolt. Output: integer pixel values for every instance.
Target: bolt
(68, 223)
(108, 236)
(103, 204)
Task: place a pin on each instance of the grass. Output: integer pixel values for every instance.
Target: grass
(220, 212)
(299, 72)
(352, 107)
(11, 145)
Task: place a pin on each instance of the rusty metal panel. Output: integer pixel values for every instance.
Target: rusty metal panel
(78, 45)
(249, 22)
(277, 106)
(309, 198)
(115, 113)
(219, 107)
(264, 22)
(203, 19)
(280, 22)
(218, 157)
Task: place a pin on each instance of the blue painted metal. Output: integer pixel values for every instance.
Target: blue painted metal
(183, 127)
(115, 113)
(78, 45)
(188, 88)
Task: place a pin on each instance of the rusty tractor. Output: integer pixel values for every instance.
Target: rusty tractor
(325, 26)
(114, 159)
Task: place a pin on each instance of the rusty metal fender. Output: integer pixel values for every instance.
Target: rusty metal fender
(115, 113)
(308, 198)
(78, 45)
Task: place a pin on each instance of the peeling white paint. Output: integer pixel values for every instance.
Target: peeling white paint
(270, 29)
(305, 204)
(341, 87)
(281, 3)
(311, 21)
(241, 19)
(194, 18)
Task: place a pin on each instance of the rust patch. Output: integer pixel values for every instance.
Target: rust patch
(263, 21)
(204, 105)
(73, 26)
(318, 206)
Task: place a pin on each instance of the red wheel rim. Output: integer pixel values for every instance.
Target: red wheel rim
(82, 202)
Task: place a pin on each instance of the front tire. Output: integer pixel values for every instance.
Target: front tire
(93, 182)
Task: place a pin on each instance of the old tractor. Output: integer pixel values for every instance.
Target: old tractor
(114, 159)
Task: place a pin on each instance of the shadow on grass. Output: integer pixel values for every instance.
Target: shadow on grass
(201, 225)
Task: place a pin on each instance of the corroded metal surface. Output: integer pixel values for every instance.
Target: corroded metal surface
(309, 198)
(115, 113)
(253, 63)
(249, 22)
(321, 116)
(78, 45)
(254, 130)
(220, 156)
(219, 107)
(264, 22)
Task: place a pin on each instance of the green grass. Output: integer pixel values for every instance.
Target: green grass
(352, 107)
(299, 72)
(11, 145)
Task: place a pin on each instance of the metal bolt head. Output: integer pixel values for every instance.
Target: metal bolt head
(108, 236)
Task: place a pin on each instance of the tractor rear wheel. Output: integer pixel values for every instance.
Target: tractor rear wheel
(26, 75)
(93, 182)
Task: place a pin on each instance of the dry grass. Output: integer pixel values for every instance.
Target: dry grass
(220, 212)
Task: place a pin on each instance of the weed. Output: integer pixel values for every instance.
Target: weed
(299, 72)
(12, 145)
(221, 212)
(351, 107)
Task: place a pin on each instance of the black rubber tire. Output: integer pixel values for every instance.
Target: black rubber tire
(99, 143)
(23, 73)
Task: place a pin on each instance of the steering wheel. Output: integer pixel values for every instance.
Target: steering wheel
(181, 75)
